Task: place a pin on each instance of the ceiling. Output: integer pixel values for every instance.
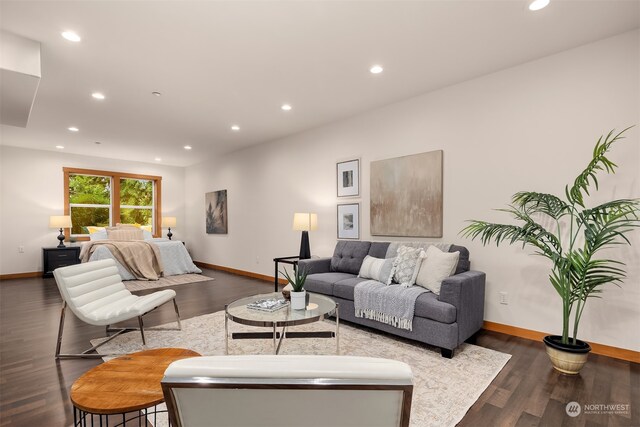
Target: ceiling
(219, 63)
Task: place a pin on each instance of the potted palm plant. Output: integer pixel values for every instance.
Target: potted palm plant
(298, 294)
(570, 235)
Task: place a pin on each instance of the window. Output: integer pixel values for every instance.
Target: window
(100, 199)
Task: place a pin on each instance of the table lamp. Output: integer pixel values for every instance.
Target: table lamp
(305, 222)
(169, 221)
(60, 221)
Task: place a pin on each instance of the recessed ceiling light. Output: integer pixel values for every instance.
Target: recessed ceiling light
(286, 107)
(98, 95)
(71, 36)
(376, 69)
(235, 128)
(73, 129)
(156, 93)
(187, 147)
(538, 4)
(59, 147)
(158, 159)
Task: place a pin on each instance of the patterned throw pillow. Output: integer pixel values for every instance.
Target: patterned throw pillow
(407, 265)
(377, 269)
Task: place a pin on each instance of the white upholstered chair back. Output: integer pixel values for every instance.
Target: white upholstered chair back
(91, 286)
(310, 391)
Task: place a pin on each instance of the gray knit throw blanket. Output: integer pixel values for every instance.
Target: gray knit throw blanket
(393, 304)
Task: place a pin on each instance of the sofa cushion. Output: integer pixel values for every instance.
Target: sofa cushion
(322, 283)
(429, 307)
(348, 256)
(379, 249)
(463, 261)
(344, 288)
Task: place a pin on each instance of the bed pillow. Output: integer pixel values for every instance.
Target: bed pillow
(407, 264)
(377, 269)
(146, 229)
(127, 233)
(98, 235)
(93, 229)
(436, 267)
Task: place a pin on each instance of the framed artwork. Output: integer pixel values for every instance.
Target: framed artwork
(348, 178)
(349, 221)
(406, 196)
(215, 204)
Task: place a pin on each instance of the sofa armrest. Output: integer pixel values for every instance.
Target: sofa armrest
(315, 265)
(466, 292)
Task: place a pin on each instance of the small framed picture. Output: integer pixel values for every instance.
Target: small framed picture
(348, 177)
(349, 221)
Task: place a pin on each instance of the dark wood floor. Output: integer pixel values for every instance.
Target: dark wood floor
(528, 392)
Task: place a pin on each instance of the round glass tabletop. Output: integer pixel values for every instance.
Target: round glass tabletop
(240, 313)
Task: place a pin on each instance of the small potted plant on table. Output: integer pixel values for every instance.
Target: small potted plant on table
(298, 294)
(570, 235)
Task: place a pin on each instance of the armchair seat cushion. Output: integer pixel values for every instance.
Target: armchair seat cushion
(129, 307)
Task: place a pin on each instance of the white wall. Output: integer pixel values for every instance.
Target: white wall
(531, 127)
(32, 188)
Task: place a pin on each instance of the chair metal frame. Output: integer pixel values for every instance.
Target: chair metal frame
(87, 353)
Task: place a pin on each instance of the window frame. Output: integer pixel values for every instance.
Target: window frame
(115, 192)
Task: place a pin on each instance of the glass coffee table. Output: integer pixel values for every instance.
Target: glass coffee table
(238, 312)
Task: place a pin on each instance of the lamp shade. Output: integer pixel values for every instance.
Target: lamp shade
(60, 221)
(169, 221)
(305, 221)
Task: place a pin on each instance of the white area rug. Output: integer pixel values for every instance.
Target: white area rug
(180, 279)
(444, 389)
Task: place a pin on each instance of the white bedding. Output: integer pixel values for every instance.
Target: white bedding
(174, 256)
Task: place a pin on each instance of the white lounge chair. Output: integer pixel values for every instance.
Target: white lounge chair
(96, 295)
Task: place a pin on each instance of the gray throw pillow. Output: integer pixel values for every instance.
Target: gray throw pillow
(377, 269)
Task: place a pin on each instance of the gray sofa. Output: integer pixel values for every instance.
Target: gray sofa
(444, 321)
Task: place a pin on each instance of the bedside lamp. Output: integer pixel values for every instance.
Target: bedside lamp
(60, 221)
(169, 221)
(305, 222)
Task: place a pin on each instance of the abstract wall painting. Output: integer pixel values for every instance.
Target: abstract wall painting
(349, 221)
(348, 178)
(406, 196)
(215, 204)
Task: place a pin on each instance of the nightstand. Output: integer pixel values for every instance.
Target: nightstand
(53, 258)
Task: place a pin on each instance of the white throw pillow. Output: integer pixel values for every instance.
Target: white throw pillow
(407, 265)
(377, 269)
(436, 267)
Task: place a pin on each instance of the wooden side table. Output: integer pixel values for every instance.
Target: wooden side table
(117, 389)
(53, 258)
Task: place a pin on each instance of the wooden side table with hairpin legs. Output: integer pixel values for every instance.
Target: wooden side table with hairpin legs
(124, 389)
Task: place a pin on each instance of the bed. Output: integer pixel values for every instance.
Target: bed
(172, 255)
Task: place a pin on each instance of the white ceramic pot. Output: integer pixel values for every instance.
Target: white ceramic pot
(298, 300)
(567, 358)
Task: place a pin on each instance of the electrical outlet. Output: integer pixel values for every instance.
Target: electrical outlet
(504, 298)
(20, 249)
(257, 260)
